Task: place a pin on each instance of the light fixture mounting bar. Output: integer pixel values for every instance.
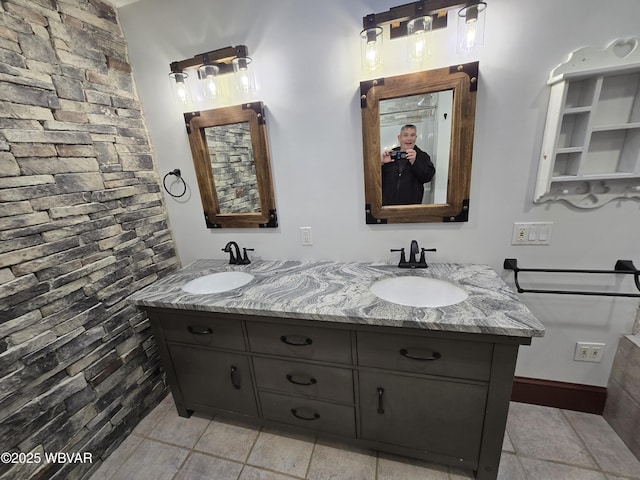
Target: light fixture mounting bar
(398, 16)
(221, 58)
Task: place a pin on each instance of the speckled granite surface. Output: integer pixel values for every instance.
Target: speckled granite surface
(339, 292)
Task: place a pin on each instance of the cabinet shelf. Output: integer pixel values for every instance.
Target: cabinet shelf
(592, 131)
(617, 126)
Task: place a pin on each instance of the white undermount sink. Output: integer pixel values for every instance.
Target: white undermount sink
(417, 291)
(217, 282)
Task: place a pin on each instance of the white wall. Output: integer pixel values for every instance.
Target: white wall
(306, 55)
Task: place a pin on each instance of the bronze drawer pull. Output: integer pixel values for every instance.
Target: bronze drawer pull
(294, 412)
(380, 401)
(312, 381)
(307, 341)
(235, 381)
(405, 353)
(207, 331)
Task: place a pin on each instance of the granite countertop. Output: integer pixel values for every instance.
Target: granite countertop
(339, 292)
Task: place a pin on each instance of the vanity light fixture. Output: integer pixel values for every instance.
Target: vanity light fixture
(416, 20)
(418, 34)
(471, 26)
(179, 88)
(209, 67)
(371, 48)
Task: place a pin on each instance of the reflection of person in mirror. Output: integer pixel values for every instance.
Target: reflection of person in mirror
(405, 170)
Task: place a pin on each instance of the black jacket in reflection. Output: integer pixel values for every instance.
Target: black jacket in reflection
(403, 183)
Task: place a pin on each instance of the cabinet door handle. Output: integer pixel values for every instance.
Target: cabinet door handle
(312, 381)
(405, 353)
(294, 412)
(206, 331)
(304, 343)
(235, 381)
(381, 400)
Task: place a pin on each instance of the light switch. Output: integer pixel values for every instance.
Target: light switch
(531, 233)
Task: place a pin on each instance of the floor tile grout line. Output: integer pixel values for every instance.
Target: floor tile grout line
(253, 445)
(190, 451)
(518, 459)
(597, 469)
(126, 458)
(602, 469)
(582, 441)
(313, 450)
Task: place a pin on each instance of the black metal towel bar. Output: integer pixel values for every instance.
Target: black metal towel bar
(623, 267)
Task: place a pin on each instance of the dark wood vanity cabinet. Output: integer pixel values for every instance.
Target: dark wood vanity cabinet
(437, 396)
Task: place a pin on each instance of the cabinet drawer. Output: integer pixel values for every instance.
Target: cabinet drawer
(307, 413)
(300, 341)
(453, 358)
(203, 331)
(306, 379)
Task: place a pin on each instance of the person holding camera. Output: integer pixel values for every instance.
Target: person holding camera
(405, 170)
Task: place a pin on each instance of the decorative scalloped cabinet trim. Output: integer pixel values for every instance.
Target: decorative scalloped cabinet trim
(621, 54)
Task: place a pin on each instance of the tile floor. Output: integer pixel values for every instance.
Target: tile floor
(541, 443)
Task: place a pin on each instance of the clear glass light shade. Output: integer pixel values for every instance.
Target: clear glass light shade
(180, 88)
(244, 79)
(419, 37)
(371, 48)
(208, 76)
(471, 27)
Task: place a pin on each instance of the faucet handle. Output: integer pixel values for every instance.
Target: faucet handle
(245, 258)
(422, 257)
(403, 259)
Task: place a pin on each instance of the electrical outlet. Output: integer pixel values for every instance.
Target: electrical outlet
(589, 352)
(305, 236)
(532, 233)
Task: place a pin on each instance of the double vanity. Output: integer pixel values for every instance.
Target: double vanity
(314, 346)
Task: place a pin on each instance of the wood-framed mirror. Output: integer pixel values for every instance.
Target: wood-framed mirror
(440, 105)
(231, 159)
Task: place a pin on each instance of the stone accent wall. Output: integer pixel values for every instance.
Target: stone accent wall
(233, 168)
(82, 226)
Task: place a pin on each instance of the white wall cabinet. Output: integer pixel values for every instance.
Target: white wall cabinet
(591, 145)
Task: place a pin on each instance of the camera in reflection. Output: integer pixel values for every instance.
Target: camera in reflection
(397, 155)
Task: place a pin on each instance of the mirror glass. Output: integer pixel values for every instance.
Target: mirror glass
(431, 114)
(231, 159)
(234, 171)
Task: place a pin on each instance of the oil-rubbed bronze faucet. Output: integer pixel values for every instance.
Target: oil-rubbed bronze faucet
(414, 250)
(237, 259)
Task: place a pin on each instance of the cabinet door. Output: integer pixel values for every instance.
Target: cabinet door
(439, 416)
(208, 378)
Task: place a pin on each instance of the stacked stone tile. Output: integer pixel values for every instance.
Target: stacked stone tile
(82, 226)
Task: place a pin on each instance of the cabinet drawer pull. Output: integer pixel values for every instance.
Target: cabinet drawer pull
(405, 353)
(294, 412)
(304, 343)
(235, 381)
(312, 381)
(380, 400)
(206, 331)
